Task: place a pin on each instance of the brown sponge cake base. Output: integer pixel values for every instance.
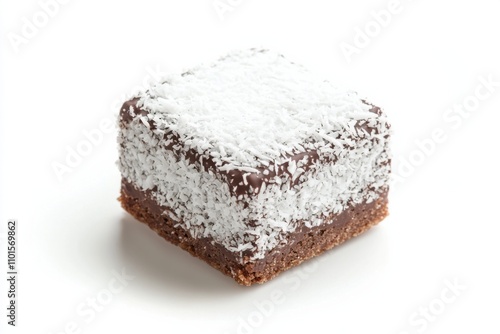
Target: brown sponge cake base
(302, 244)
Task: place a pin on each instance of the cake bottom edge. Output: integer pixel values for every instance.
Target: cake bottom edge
(303, 244)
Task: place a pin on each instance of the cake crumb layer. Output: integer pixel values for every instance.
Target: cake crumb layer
(302, 244)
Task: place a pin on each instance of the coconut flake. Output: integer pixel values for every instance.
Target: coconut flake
(252, 111)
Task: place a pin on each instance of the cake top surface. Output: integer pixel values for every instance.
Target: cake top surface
(254, 107)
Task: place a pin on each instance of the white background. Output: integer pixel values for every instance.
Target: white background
(444, 226)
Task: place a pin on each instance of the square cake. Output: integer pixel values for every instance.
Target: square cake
(253, 164)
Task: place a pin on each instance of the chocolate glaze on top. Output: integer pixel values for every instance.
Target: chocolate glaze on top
(240, 182)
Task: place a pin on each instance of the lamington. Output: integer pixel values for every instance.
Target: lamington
(253, 164)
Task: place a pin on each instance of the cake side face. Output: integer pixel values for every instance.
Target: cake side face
(252, 148)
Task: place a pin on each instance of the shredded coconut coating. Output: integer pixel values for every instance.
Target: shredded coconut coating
(254, 112)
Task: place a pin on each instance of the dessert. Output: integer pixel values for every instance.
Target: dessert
(253, 164)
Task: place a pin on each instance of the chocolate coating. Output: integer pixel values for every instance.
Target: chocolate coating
(240, 182)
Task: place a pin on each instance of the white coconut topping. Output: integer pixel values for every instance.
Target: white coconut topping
(254, 111)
